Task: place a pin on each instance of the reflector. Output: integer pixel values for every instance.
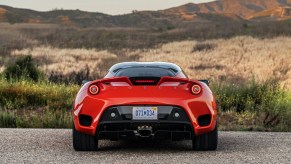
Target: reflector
(94, 89)
(196, 89)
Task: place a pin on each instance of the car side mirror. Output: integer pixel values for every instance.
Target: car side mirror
(205, 81)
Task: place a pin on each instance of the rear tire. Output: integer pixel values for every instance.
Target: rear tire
(84, 142)
(206, 142)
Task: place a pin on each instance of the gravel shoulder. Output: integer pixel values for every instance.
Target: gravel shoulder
(54, 146)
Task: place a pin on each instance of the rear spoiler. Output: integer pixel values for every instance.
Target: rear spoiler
(109, 80)
(162, 80)
(116, 79)
(172, 79)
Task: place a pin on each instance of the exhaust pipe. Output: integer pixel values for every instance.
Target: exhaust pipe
(145, 131)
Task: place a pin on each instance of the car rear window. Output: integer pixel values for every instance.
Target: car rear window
(145, 72)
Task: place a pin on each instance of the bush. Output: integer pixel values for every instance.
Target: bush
(35, 119)
(249, 106)
(27, 104)
(72, 78)
(23, 68)
(203, 47)
(269, 104)
(45, 119)
(251, 96)
(27, 94)
(7, 119)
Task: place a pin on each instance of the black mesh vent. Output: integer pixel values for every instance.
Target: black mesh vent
(204, 120)
(85, 120)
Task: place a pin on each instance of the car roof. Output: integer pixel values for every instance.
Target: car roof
(166, 65)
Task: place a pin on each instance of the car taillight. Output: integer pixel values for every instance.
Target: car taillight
(196, 89)
(94, 89)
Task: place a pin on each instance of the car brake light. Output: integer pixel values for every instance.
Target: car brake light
(94, 89)
(145, 81)
(196, 89)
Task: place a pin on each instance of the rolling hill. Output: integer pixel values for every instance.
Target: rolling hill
(140, 19)
(278, 13)
(246, 9)
(217, 12)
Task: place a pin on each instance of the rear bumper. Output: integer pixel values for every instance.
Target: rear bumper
(123, 126)
(129, 130)
(166, 127)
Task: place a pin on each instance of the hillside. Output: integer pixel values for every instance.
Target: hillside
(278, 13)
(20, 28)
(141, 19)
(218, 12)
(246, 9)
(69, 17)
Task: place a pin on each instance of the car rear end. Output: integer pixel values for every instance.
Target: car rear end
(145, 107)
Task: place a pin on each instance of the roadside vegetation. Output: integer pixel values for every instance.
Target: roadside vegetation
(29, 102)
(42, 67)
(253, 106)
(28, 99)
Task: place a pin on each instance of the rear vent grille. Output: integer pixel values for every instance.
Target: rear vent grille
(204, 120)
(144, 80)
(85, 120)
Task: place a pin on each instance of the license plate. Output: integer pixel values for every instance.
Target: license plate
(145, 113)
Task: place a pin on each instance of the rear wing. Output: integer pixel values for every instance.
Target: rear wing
(161, 81)
(172, 79)
(195, 87)
(107, 81)
(116, 79)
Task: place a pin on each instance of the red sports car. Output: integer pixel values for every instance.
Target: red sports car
(145, 100)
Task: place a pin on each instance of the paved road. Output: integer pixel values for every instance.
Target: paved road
(54, 146)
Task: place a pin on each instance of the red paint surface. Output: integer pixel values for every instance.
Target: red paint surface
(194, 105)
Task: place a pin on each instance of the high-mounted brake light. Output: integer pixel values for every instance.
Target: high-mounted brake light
(145, 81)
(94, 89)
(196, 89)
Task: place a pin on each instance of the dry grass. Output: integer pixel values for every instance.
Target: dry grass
(22, 35)
(67, 61)
(8, 36)
(236, 59)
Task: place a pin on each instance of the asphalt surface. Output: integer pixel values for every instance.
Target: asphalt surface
(55, 146)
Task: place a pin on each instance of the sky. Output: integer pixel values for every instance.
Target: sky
(113, 7)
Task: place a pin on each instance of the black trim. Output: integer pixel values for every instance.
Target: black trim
(124, 113)
(85, 120)
(160, 130)
(204, 120)
(165, 127)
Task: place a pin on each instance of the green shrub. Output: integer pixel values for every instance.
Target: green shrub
(28, 94)
(7, 119)
(203, 46)
(251, 96)
(57, 119)
(250, 106)
(45, 119)
(269, 105)
(33, 119)
(23, 68)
